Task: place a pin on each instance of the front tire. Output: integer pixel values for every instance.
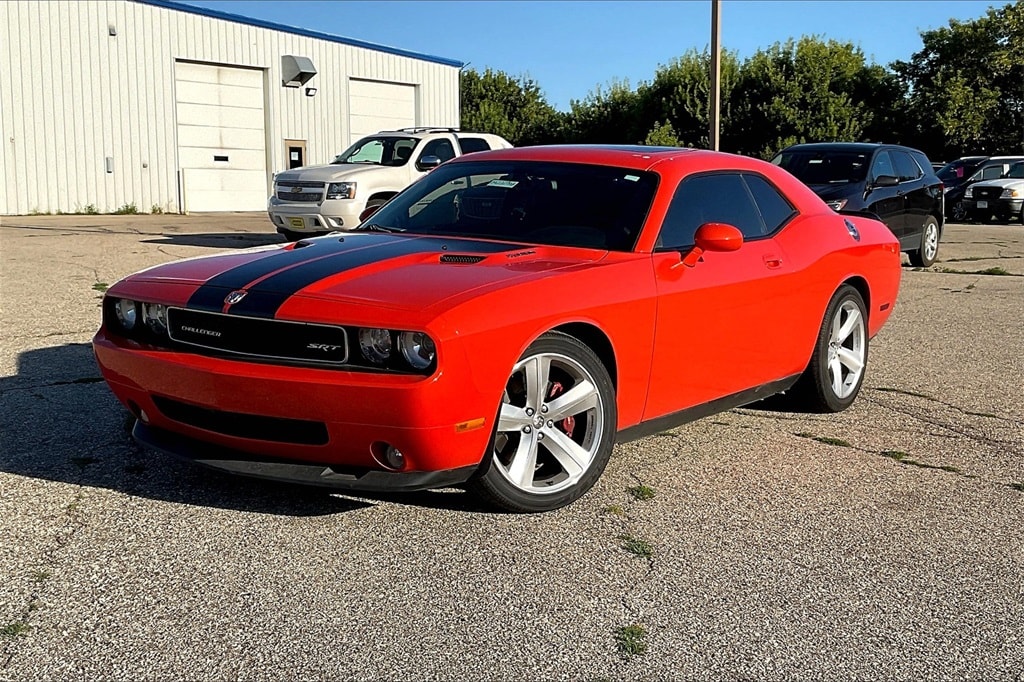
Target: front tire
(555, 428)
(926, 254)
(835, 374)
(959, 212)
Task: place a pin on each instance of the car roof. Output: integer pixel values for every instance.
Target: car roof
(640, 157)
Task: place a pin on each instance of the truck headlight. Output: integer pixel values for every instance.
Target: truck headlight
(1009, 194)
(969, 193)
(341, 190)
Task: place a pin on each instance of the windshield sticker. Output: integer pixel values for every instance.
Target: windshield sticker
(507, 184)
(632, 178)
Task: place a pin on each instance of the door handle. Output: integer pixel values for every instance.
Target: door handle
(773, 261)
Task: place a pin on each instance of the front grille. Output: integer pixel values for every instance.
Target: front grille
(256, 337)
(308, 191)
(456, 258)
(254, 426)
(987, 193)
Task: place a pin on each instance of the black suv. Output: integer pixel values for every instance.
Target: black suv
(897, 184)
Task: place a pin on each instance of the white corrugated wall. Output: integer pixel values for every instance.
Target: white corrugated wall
(71, 95)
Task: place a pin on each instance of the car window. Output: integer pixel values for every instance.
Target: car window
(1016, 171)
(824, 167)
(882, 165)
(775, 209)
(527, 202)
(385, 150)
(906, 169)
(717, 198)
(440, 148)
(473, 144)
(991, 173)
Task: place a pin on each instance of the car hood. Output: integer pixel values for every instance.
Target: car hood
(415, 273)
(1000, 182)
(326, 173)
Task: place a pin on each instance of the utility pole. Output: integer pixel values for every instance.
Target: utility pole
(714, 108)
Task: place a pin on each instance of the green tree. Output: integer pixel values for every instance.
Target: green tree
(810, 90)
(662, 135)
(513, 107)
(966, 85)
(606, 115)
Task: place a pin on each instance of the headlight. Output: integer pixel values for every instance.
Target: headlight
(836, 204)
(341, 190)
(125, 311)
(375, 345)
(155, 316)
(1009, 194)
(968, 193)
(417, 349)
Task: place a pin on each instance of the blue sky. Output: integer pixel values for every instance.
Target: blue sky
(570, 48)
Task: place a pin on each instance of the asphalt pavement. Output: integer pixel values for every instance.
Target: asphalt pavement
(882, 543)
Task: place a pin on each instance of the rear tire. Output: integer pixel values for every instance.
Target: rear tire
(554, 431)
(928, 251)
(835, 374)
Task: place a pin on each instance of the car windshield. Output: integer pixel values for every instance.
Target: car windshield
(527, 202)
(824, 167)
(954, 171)
(379, 151)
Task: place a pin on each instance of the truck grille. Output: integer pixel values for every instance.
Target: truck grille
(261, 338)
(987, 193)
(300, 190)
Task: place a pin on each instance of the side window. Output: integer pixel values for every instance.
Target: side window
(473, 144)
(775, 209)
(882, 165)
(440, 148)
(991, 173)
(906, 169)
(719, 198)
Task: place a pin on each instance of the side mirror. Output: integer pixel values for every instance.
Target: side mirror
(428, 163)
(713, 237)
(885, 181)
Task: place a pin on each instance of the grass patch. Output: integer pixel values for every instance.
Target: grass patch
(904, 458)
(631, 640)
(895, 454)
(827, 440)
(18, 628)
(156, 209)
(641, 492)
(100, 286)
(90, 209)
(1019, 487)
(38, 575)
(616, 509)
(127, 209)
(637, 546)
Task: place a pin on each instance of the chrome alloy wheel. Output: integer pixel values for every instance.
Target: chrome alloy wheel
(931, 241)
(847, 349)
(551, 424)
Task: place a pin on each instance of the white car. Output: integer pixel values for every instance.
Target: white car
(316, 199)
(1002, 198)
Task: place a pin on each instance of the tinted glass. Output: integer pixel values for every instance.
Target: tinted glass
(883, 165)
(990, 173)
(1016, 171)
(720, 198)
(442, 149)
(473, 144)
(824, 167)
(906, 169)
(774, 208)
(527, 202)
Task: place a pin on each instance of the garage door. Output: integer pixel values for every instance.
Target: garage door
(376, 106)
(221, 137)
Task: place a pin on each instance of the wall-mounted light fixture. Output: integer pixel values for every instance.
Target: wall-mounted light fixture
(310, 92)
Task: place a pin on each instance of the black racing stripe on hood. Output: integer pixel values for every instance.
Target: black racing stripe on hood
(266, 297)
(210, 296)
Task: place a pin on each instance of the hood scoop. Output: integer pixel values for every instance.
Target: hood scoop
(464, 259)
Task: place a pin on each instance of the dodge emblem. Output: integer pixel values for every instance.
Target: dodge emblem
(235, 296)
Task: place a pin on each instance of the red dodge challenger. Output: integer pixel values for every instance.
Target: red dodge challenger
(504, 321)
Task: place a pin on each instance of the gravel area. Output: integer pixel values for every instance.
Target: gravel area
(883, 543)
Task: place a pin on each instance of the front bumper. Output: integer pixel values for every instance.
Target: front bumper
(328, 418)
(311, 218)
(327, 476)
(1002, 209)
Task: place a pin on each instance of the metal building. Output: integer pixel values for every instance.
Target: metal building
(109, 103)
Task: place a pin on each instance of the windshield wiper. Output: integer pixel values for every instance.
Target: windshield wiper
(379, 228)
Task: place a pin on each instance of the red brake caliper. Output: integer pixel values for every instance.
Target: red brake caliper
(569, 423)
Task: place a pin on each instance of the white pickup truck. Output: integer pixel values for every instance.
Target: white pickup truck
(317, 199)
(1002, 197)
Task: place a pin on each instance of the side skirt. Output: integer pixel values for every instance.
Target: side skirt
(670, 421)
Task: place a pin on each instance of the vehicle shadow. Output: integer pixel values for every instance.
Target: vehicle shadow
(219, 240)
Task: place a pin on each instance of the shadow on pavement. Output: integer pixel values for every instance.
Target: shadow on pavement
(60, 422)
(220, 240)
